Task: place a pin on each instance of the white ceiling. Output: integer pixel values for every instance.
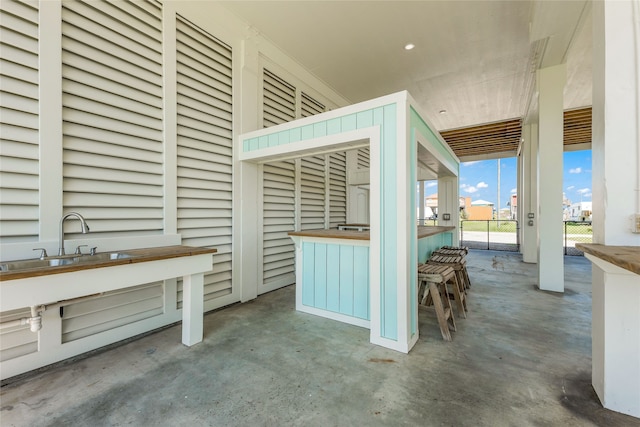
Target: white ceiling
(472, 58)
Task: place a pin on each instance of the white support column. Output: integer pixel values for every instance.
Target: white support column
(616, 198)
(421, 201)
(616, 126)
(247, 184)
(449, 203)
(519, 186)
(528, 199)
(50, 115)
(551, 83)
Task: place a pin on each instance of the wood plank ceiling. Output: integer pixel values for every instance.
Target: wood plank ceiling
(504, 136)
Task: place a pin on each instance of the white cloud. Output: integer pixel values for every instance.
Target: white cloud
(482, 184)
(473, 162)
(514, 190)
(468, 188)
(584, 191)
(430, 184)
(575, 170)
(571, 187)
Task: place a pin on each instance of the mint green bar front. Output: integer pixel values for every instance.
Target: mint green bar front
(335, 278)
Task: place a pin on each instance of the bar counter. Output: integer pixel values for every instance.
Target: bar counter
(333, 271)
(423, 231)
(627, 257)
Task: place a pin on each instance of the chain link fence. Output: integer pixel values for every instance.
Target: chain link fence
(502, 235)
(499, 235)
(576, 232)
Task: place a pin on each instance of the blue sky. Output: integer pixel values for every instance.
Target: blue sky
(479, 180)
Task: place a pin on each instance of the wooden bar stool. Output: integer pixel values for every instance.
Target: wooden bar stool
(434, 278)
(457, 264)
(456, 252)
(449, 251)
(465, 249)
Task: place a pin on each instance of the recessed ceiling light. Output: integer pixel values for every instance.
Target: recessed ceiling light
(409, 46)
(442, 111)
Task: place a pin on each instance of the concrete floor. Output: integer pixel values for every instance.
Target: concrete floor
(521, 358)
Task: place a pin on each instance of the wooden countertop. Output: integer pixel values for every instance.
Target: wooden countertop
(423, 231)
(137, 255)
(627, 257)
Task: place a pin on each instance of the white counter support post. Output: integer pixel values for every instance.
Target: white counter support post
(551, 83)
(616, 198)
(528, 198)
(192, 308)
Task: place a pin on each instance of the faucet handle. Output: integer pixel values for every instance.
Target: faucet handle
(43, 252)
(92, 251)
(78, 250)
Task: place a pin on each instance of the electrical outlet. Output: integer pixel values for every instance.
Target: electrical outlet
(635, 226)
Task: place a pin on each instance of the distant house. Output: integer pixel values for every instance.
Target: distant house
(566, 208)
(580, 211)
(431, 204)
(513, 206)
(480, 210)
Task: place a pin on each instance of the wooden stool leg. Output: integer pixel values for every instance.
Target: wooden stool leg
(461, 286)
(467, 282)
(441, 313)
(459, 296)
(447, 306)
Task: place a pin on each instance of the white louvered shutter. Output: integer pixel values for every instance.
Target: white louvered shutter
(312, 195)
(112, 115)
(312, 185)
(19, 121)
(205, 150)
(19, 153)
(279, 106)
(363, 158)
(279, 100)
(309, 106)
(113, 141)
(337, 189)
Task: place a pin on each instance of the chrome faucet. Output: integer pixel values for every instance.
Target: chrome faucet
(83, 225)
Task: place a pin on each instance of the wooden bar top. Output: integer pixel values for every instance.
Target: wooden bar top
(136, 255)
(423, 231)
(627, 257)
